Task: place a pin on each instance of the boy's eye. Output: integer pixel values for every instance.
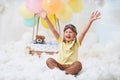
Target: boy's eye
(68, 32)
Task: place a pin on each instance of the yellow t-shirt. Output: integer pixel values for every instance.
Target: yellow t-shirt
(67, 55)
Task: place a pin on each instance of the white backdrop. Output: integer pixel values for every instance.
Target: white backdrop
(99, 53)
(12, 27)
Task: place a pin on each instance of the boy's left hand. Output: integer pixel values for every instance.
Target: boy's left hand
(42, 14)
(95, 16)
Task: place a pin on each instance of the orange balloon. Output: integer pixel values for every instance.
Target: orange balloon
(65, 12)
(51, 6)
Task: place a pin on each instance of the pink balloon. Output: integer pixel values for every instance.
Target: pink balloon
(33, 5)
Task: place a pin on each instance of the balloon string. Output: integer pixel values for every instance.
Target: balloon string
(57, 23)
(37, 26)
(59, 26)
(34, 27)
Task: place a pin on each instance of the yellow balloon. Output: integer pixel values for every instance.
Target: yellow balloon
(76, 5)
(51, 17)
(24, 12)
(65, 12)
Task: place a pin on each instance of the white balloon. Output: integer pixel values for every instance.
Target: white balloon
(2, 8)
(99, 2)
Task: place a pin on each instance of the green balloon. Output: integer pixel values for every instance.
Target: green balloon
(30, 22)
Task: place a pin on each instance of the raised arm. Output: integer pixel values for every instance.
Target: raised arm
(43, 15)
(94, 16)
(52, 28)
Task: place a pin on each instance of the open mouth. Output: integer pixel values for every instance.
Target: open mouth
(68, 37)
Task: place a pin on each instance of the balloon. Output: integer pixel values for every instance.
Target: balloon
(65, 12)
(99, 3)
(24, 12)
(34, 5)
(76, 5)
(51, 6)
(30, 22)
(51, 18)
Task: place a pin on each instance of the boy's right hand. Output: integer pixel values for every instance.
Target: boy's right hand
(42, 14)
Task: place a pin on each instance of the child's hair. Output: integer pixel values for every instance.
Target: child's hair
(72, 27)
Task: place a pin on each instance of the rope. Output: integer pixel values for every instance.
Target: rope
(37, 26)
(57, 23)
(34, 27)
(59, 26)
